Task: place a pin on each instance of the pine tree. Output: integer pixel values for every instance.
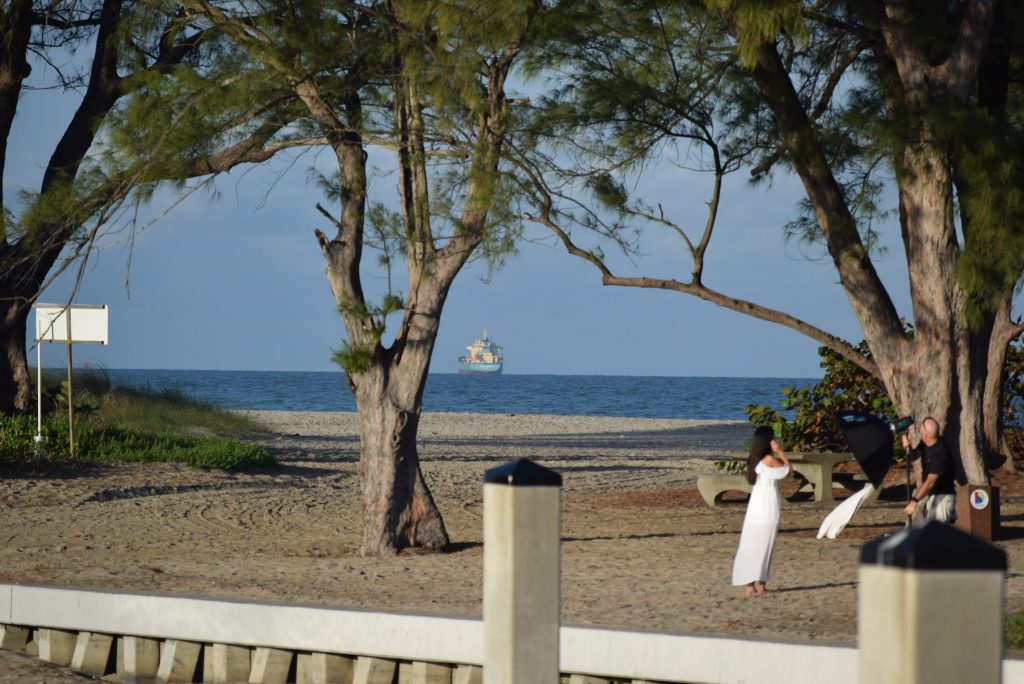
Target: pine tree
(852, 97)
(426, 82)
(142, 52)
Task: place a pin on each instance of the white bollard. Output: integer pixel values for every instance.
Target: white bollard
(522, 507)
(930, 609)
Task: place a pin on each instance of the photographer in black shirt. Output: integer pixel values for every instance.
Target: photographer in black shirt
(937, 492)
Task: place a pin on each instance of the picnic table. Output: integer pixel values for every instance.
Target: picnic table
(815, 468)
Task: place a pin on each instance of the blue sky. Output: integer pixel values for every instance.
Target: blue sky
(236, 282)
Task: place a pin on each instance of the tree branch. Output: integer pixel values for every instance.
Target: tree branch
(960, 69)
(866, 35)
(250, 151)
(840, 346)
(864, 289)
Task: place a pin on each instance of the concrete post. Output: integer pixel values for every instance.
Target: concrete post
(467, 674)
(418, 672)
(522, 506)
(92, 651)
(139, 659)
(13, 638)
(56, 645)
(226, 663)
(178, 660)
(374, 670)
(323, 668)
(931, 608)
(431, 673)
(270, 666)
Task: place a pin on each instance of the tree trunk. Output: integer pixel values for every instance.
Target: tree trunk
(952, 396)
(1003, 333)
(15, 381)
(942, 372)
(397, 508)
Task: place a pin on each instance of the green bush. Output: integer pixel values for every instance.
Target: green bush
(169, 410)
(130, 425)
(142, 409)
(813, 427)
(1015, 630)
(730, 466)
(95, 442)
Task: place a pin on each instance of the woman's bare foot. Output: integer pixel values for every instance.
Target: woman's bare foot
(751, 591)
(761, 589)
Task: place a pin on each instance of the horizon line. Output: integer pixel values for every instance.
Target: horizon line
(100, 367)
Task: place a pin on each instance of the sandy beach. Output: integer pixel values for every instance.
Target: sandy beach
(640, 548)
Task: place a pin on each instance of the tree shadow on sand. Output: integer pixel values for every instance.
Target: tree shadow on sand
(813, 587)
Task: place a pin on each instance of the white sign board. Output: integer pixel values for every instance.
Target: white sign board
(88, 323)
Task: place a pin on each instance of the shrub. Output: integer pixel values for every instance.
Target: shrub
(1015, 630)
(130, 425)
(105, 443)
(813, 427)
(168, 410)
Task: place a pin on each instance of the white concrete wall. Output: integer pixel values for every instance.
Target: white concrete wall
(673, 657)
(583, 650)
(416, 637)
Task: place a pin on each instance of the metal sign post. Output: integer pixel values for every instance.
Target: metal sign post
(53, 324)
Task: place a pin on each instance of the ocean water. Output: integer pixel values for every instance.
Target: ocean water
(585, 395)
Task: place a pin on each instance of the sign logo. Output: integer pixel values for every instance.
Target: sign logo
(979, 499)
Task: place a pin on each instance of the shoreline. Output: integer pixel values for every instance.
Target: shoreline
(644, 453)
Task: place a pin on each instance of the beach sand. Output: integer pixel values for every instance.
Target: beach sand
(640, 548)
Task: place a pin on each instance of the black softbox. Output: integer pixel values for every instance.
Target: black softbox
(870, 441)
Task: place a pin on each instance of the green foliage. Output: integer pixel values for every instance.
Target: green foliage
(96, 442)
(1014, 628)
(131, 425)
(607, 191)
(990, 155)
(168, 410)
(353, 359)
(813, 427)
(730, 466)
(1013, 399)
(762, 21)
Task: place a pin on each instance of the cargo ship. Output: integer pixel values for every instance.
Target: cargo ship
(484, 357)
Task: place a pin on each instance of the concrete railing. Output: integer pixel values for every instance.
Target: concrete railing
(395, 642)
(592, 654)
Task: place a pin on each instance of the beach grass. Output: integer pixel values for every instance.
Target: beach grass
(131, 425)
(170, 410)
(1014, 630)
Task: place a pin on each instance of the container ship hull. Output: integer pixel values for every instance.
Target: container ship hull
(481, 369)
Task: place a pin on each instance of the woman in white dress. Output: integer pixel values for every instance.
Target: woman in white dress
(766, 465)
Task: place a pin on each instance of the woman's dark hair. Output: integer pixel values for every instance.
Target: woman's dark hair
(760, 446)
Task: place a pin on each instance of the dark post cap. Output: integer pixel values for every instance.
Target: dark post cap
(523, 473)
(934, 546)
